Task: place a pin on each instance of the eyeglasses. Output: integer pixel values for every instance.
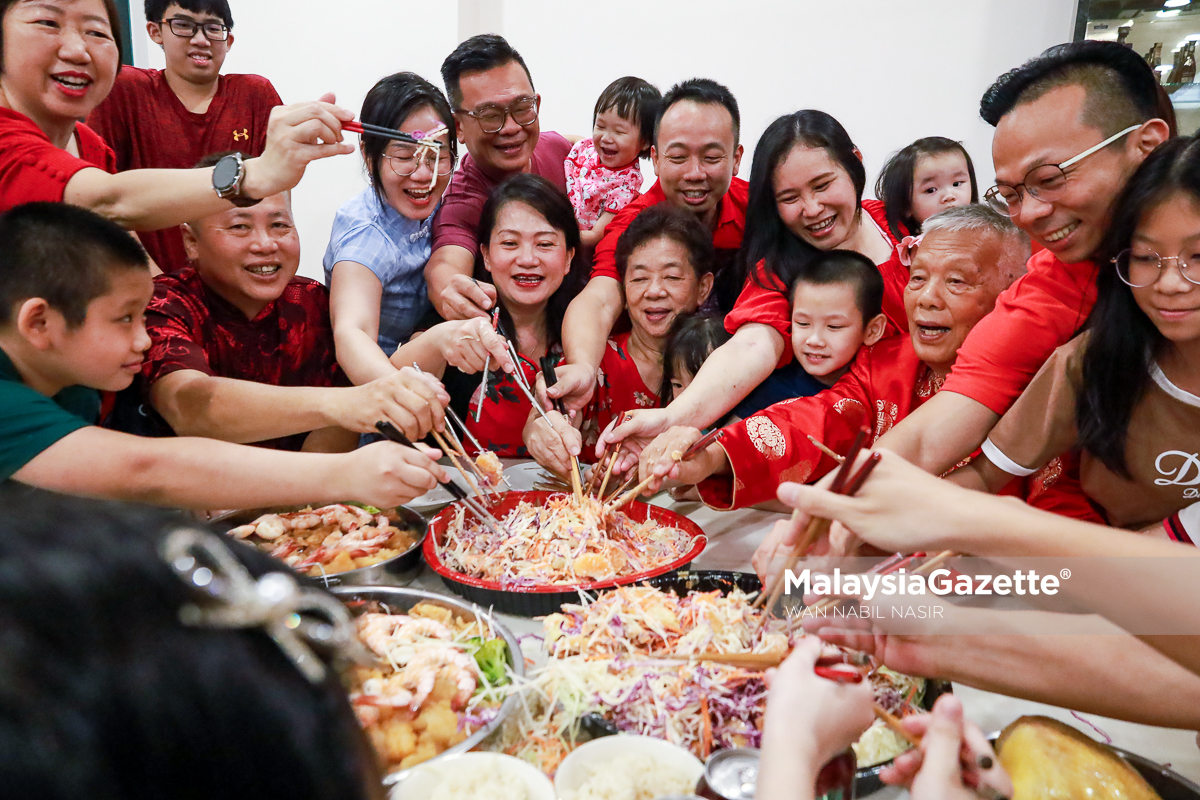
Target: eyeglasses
(406, 161)
(186, 28)
(1043, 182)
(1142, 268)
(491, 118)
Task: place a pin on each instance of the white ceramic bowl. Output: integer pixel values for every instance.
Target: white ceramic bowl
(582, 762)
(420, 782)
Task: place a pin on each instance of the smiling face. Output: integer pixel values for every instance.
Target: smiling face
(828, 329)
(246, 255)
(106, 351)
(410, 195)
(939, 182)
(507, 151)
(194, 59)
(815, 197)
(527, 257)
(1171, 228)
(618, 140)
(660, 284)
(60, 61)
(1049, 131)
(953, 283)
(696, 157)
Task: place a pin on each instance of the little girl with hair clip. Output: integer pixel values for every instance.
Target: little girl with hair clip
(689, 344)
(603, 175)
(926, 177)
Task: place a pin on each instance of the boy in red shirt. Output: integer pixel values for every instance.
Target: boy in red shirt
(170, 118)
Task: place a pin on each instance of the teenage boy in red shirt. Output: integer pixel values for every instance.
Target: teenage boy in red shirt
(73, 292)
(170, 118)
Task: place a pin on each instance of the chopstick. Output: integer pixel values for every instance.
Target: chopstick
(551, 378)
(821, 446)
(921, 569)
(893, 722)
(487, 362)
(466, 432)
(390, 432)
(701, 443)
(364, 128)
(818, 526)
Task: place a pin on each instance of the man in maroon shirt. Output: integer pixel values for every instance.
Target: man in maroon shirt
(696, 155)
(243, 349)
(496, 109)
(170, 118)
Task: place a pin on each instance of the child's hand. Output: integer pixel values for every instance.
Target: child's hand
(948, 760)
(810, 718)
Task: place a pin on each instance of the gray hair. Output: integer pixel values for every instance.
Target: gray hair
(978, 218)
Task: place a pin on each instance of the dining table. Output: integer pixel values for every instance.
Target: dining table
(732, 538)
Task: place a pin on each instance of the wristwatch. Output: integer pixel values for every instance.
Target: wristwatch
(228, 175)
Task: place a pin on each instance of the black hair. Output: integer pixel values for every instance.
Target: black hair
(477, 54)
(548, 200)
(666, 221)
(157, 9)
(107, 695)
(895, 184)
(845, 267)
(705, 92)
(1122, 341)
(389, 103)
(1122, 89)
(63, 254)
(633, 99)
(690, 342)
(114, 23)
(767, 239)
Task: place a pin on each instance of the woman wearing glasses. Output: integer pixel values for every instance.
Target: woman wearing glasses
(1127, 391)
(375, 262)
(173, 117)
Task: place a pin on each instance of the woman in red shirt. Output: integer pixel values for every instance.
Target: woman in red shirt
(806, 187)
(60, 61)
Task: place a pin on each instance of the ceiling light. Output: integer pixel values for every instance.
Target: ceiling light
(1175, 3)
(1168, 14)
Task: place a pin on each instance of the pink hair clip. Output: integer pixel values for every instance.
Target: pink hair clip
(908, 245)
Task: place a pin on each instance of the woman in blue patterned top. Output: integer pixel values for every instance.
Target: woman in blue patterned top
(375, 263)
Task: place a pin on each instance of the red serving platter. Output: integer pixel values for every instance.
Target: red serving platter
(535, 600)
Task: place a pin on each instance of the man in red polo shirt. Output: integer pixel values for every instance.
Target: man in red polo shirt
(242, 349)
(696, 155)
(1071, 127)
(171, 118)
(496, 110)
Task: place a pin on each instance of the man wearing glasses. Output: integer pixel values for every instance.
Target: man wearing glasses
(169, 119)
(496, 109)
(1071, 127)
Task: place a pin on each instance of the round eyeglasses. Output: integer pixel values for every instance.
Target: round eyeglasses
(406, 161)
(1044, 182)
(1142, 268)
(491, 118)
(186, 28)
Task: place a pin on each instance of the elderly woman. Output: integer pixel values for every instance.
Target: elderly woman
(966, 257)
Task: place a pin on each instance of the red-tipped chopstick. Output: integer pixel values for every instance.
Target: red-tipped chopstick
(363, 128)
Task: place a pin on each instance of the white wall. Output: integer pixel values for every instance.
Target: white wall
(890, 70)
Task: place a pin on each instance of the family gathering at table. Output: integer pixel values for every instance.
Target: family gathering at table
(1017, 367)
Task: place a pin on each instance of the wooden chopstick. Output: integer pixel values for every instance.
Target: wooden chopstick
(451, 453)
(821, 446)
(701, 443)
(893, 722)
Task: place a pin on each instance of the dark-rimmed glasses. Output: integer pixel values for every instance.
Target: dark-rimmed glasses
(186, 28)
(1142, 268)
(1044, 182)
(491, 118)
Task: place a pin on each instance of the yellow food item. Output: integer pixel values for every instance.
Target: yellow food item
(340, 563)
(1049, 760)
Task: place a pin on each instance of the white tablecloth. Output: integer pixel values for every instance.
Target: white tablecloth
(733, 537)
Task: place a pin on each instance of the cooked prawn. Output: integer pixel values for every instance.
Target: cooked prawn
(420, 674)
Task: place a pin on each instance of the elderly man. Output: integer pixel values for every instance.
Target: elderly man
(696, 155)
(496, 110)
(243, 349)
(1071, 127)
(966, 258)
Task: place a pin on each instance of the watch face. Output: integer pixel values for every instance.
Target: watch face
(225, 173)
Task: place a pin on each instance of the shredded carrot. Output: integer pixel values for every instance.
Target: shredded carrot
(706, 741)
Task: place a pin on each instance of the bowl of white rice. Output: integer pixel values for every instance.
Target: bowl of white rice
(474, 776)
(627, 767)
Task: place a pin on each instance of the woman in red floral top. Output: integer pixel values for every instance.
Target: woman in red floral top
(665, 258)
(529, 242)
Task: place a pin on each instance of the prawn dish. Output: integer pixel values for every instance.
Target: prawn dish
(331, 539)
(436, 683)
(609, 658)
(560, 541)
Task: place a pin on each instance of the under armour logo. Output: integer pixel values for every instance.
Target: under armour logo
(243, 134)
